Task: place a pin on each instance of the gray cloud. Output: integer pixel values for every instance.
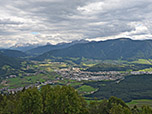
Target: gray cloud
(63, 20)
(9, 22)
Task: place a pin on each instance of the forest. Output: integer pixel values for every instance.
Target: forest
(62, 100)
(133, 87)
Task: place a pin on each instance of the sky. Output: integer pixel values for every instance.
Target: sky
(56, 21)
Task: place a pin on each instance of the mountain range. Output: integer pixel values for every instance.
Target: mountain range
(49, 47)
(122, 48)
(116, 49)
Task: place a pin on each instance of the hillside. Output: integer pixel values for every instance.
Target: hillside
(12, 53)
(41, 49)
(4, 60)
(122, 48)
(133, 87)
(7, 64)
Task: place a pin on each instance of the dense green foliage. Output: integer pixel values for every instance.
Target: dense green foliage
(30, 101)
(62, 100)
(133, 87)
(47, 100)
(110, 50)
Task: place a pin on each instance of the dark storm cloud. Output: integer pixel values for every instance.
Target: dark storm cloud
(66, 20)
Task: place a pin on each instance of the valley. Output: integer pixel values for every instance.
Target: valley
(99, 84)
(128, 79)
(76, 57)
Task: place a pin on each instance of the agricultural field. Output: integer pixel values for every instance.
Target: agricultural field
(86, 89)
(75, 84)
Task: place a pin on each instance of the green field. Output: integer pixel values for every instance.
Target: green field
(86, 88)
(140, 103)
(143, 61)
(75, 84)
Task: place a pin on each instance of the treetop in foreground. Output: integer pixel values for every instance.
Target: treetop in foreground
(62, 100)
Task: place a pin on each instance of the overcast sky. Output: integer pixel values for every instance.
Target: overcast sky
(54, 21)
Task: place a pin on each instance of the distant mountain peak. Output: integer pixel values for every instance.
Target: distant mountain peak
(74, 42)
(80, 41)
(124, 39)
(48, 43)
(24, 46)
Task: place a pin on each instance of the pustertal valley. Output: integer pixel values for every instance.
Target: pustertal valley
(75, 56)
(120, 67)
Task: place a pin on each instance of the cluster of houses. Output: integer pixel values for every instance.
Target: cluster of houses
(77, 74)
(140, 72)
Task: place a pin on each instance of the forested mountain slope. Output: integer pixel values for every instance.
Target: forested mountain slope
(12, 53)
(122, 48)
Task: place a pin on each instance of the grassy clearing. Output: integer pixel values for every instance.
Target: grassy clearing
(142, 61)
(75, 84)
(88, 65)
(140, 103)
(86, 88)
